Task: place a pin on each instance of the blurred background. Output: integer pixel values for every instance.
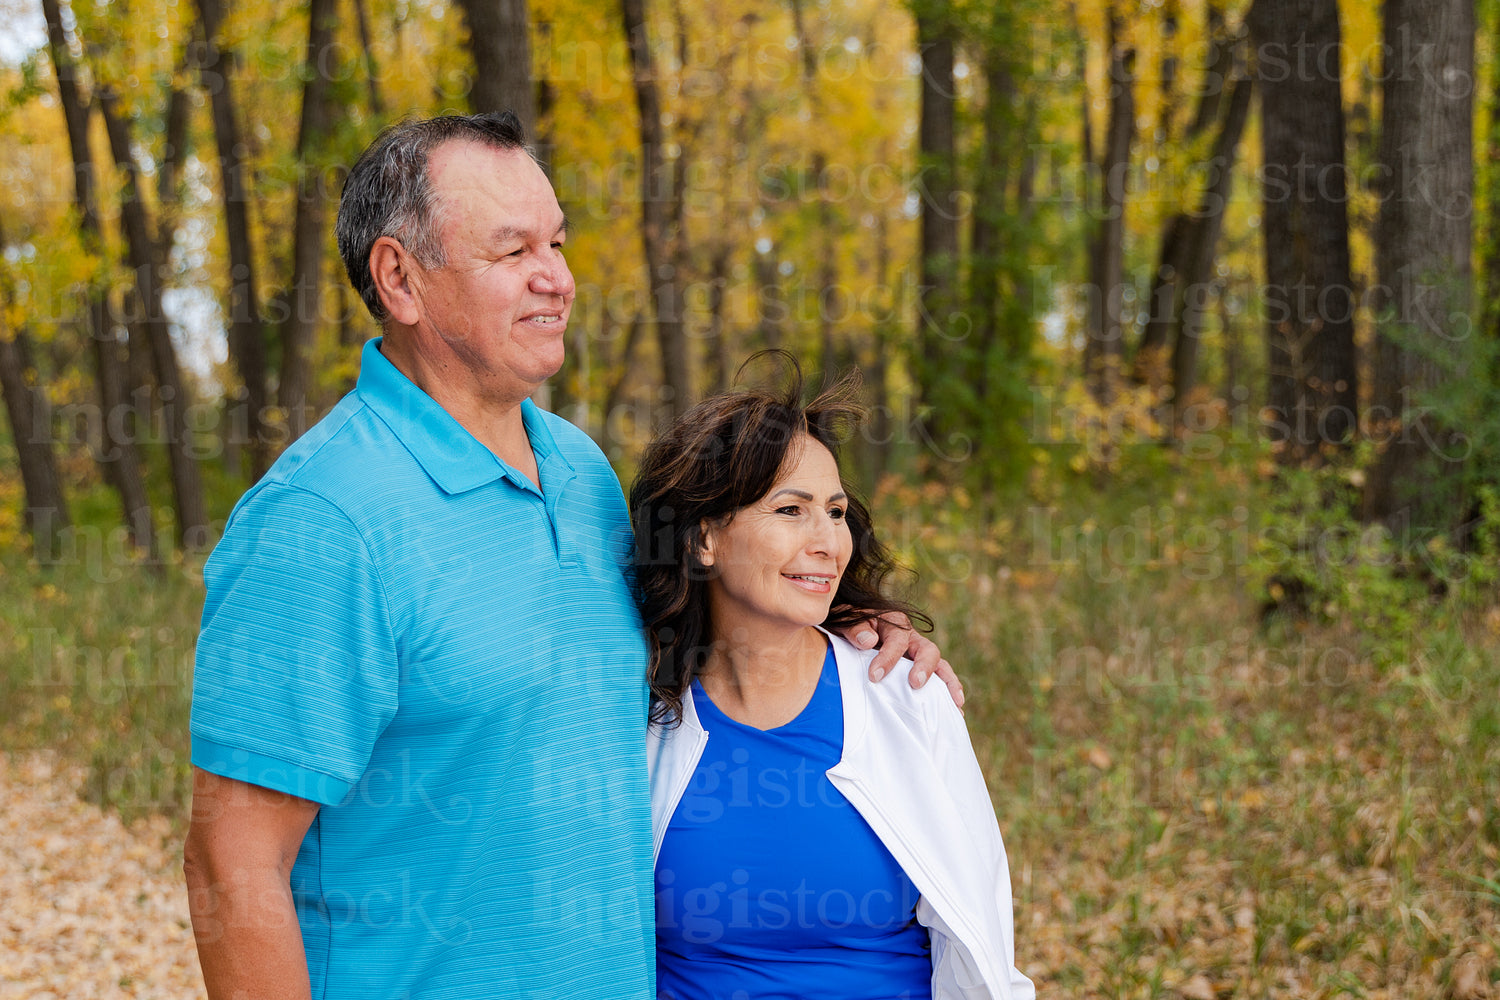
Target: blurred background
(1180, 328)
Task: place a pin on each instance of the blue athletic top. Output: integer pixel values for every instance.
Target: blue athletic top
(769, 884)
(405, 629)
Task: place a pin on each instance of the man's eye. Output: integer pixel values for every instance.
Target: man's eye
(558, 247)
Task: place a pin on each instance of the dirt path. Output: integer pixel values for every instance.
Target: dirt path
(88, 908)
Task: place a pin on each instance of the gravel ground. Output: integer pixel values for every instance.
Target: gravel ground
(88, 908)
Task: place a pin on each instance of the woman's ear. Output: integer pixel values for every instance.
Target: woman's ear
(705, 544)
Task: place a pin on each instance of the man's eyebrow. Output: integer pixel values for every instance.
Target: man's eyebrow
(510, 234)
(507, 234)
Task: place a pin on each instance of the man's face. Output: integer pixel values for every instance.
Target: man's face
(501, 302)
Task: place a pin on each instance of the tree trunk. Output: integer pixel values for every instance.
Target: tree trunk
(1192, 287)
(771, 309)
(986, 250)
(31, 429)
(500, 43)
(715, 344)
(247, 345)
(300, 328)
(1313, 383)
(115, 451)
(1491, 258)
(830, 303)
(176, 400)
(372, 71)
(1085, 107)
(1149, 366)
(1102, 347)
(938, 292)
(656, 208)
(1423, 259)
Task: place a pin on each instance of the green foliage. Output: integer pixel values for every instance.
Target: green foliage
(1315, 555)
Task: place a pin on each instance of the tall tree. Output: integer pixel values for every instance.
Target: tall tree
(116, 450)
(218, 66)
(1102, 348)
(938, 299)
(1190, 304)
(1149, 366)
(176, 400)
(500, 44)
(1423, 254)
(27, 407)
(1313, 380)
(308, 235)
(657, 208)
(998, 363)
(1490, 260)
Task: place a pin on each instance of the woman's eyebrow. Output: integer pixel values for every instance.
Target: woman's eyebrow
(808, 497)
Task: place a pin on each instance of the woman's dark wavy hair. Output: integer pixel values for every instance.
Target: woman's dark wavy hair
(719, 457)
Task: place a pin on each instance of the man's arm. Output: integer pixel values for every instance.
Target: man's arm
(893, 633)
(238, 857)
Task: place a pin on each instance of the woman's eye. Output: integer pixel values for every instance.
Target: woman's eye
(789, 510)
(837, 513)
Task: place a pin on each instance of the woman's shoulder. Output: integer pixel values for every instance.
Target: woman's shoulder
(894, 691)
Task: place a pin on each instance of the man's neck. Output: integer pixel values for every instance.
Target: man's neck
(493, 418)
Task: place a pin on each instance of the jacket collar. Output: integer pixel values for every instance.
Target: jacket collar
(449, 454)
(853, 691)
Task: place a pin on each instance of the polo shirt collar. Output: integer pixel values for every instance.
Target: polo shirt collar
(448, 453)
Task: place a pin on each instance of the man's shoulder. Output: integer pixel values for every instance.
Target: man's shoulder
(340, 447)
(344, 464)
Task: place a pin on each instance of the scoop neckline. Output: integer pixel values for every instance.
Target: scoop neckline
(829, 665)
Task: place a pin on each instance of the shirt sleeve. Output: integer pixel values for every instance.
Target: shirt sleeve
(296, 668)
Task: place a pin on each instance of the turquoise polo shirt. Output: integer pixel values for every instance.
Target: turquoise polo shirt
(403, 628)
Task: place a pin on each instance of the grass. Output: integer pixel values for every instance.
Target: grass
(1197, 803)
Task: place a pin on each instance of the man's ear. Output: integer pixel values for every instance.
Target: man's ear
(390, 267)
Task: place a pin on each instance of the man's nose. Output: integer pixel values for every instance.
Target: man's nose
(552, 277)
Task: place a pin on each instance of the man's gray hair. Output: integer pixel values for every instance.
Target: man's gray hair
(388, 192)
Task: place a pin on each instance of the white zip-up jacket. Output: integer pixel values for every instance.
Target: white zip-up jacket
(909, 769)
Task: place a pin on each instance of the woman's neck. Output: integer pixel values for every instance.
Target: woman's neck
(764, 683)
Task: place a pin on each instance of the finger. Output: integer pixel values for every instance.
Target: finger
(950, 678)
(865, 638)
(925, 656)
(956, 690)
(885, 658)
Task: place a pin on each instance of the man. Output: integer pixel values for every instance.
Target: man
(419, 699)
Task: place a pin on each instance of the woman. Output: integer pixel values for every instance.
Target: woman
(816, 835)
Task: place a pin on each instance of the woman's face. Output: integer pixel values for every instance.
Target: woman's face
(778, 562)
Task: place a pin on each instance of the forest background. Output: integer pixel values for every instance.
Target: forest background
(1180, 327)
